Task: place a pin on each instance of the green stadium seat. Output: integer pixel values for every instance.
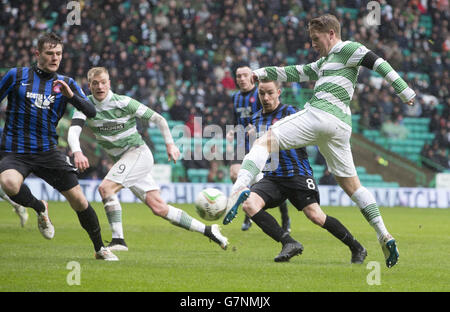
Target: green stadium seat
(198, 175)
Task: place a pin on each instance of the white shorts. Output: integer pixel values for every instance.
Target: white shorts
(133, 171)
(312, 126)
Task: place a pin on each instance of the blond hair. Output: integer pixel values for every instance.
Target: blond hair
(324, 23)
(94, 71)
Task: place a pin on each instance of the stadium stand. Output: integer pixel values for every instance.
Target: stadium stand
(173, 58)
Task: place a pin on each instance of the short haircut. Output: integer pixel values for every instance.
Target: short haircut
(324, 23)
(94, 71)
(275, 82)
(51, 38)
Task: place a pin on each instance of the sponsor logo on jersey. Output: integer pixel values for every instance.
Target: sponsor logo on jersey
(109, 126)
(40, 100)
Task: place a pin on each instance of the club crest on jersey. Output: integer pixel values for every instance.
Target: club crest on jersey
(252, 99)
(40, 100)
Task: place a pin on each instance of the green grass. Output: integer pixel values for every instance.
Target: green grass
(163, 257)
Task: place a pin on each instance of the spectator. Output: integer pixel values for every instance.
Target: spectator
(327, 178)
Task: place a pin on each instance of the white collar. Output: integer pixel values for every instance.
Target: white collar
(105, 100)
(337, 46)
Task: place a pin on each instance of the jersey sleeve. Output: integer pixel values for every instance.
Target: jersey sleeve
(78, 118)
(292, 73)
(7, 83)
(139, 110)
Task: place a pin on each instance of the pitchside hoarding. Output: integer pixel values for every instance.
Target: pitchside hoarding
(329, 195)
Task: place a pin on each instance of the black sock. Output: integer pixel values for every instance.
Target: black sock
(284, 213)
(270, 226)
(27, 199)
(89, 221)
(339, 231)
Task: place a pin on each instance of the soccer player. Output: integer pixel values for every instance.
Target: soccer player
(290, 177)
(115, 129)
(37, 99)
(326, 120)
(246, 103)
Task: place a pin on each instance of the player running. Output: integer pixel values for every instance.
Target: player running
(326, 120)
(115, 129)
(37, 99)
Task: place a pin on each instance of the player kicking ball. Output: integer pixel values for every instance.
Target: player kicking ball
(288, 175)
(115, 129)
(325, 121)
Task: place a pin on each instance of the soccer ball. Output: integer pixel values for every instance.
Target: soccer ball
(211, 204)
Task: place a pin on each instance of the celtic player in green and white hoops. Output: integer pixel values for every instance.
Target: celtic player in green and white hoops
(325, 121)
(114, 127)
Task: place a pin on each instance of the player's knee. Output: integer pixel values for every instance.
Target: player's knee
(104, 190)
(250, 207)
(10, 185)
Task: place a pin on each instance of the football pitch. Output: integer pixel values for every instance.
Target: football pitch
(165, 258)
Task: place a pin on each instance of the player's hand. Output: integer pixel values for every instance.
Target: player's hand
(81, 161)
(410, 102)
(63, 87)
(173, 152)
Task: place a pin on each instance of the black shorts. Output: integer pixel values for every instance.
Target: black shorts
(52, 166)
(300, 190)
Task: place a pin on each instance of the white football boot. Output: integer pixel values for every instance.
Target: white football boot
(105, 254)
(44, 224)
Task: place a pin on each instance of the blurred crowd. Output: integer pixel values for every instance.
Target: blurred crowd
(178, 57)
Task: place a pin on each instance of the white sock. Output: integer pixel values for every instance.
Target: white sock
(180, 218)
(113, 211)
(252, 165)
(369, 208)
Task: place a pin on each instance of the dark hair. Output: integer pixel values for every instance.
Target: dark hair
(51, 38)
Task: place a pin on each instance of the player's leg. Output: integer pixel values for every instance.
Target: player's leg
(11, 181)
(179, 217)
(337, 152)
(266, 194)
(337, 229)
(108, 191)
(252, 165)
(285, 220)
(290, 132)
(234, 169)
(88, 220)
(20, 210)
(369, 208)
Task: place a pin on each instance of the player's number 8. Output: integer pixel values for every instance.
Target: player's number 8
(310, 183)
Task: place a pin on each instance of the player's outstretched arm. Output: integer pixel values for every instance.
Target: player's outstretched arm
(382, 67)
(173, 152)
(292, 73)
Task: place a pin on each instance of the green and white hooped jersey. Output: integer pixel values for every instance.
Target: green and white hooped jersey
(336, 76)
(114, 126)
